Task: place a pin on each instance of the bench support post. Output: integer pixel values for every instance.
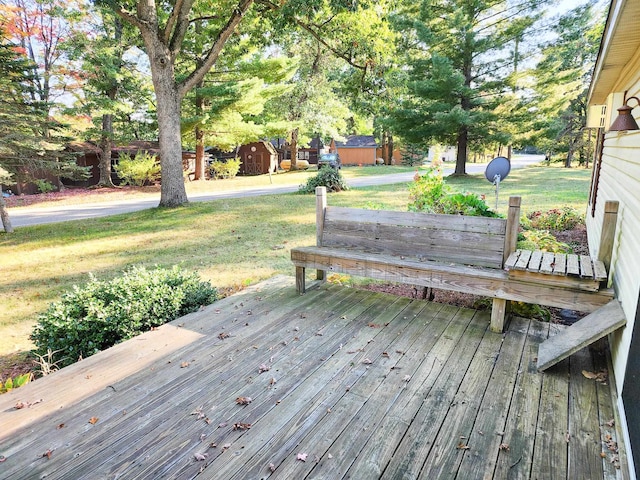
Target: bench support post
(498, 313)
(607, 235)
(300, 287)
(321, 206)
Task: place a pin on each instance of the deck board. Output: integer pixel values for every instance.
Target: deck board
(368, 385)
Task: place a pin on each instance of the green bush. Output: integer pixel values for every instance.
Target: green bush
(227, 169)
(142, 169)
(428, 193)
(326, 177)
(45, 186)
(565, 218)
(103, 313)
(541, 240)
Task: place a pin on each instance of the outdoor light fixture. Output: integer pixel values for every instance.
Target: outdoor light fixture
(625, 120)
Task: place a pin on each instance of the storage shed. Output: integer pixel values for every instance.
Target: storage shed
(258, 158)
(357, 150)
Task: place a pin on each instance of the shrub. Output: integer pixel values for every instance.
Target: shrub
(541, 240)
(565, 218)
(139, 170)
(45, 186)
(226, 169)
(326, 177)
(428, 193)
(103, 313)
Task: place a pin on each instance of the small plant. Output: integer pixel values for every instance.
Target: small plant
(142, 169)
(541, 240)
(45, 186)
(103, 313)
(326, 177)
(565, 218)
(226, 169)
(428, 193)
(13, 383)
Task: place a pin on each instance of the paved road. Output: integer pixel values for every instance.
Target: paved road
(36, 216)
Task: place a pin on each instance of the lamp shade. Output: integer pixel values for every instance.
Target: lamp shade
(625, 120)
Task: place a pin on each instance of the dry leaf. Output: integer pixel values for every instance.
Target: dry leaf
(589, 375)
(200, 456)
(567, 437)
(223, 335)
(329, 455)
(222, 425)
(93, 420)
(243, 400)
(184, 364)
(263, 368)
(462, 446)
(367, 361)
(407, 378)
(302, 457)
(47, 453)
(272, 467)
(60, 426)
(385, 354)
(226, 446)
(611, 423)
(241, 426)
(504, 447)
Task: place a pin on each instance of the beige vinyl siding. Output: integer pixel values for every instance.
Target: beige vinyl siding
(620, 180)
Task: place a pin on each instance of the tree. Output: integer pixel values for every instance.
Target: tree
(561, 82)
(29, 146)
(457, 59)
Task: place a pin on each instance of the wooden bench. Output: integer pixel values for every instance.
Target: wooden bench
(447, 252)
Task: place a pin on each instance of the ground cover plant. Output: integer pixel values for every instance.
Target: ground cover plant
(229, 242)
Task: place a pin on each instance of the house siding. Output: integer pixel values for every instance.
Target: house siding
(620, 180)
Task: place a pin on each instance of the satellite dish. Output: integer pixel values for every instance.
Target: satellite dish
(497, 170)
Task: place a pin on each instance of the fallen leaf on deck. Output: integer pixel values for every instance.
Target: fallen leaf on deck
(2, 458)
(223, 335)
(329, 455)
(302, 457)
(407, 378)
(385, 354)
(243, 400)
(184, 364)
(222, 425)
(272, 467)
(60, 426)
(567, 437)
(47, 453)
(263, 368)
(93, 420)
(504, 447)
(611, 423)
(366, 361)
(296, 329)
(200, 456)
(241, 426)
(226, 446)
(462, 446)
(589, 375)
(272, 381)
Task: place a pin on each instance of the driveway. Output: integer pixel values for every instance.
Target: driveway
(38, 216)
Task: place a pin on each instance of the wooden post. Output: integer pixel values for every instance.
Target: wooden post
(499, 307)
(607, 235)
(513, 224)
(321, 206)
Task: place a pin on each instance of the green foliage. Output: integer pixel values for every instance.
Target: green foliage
(13, 383)
(326, 177)
(103, 313)
(44, 186)
(413, 155)
(429, 193)
(139, 170)
(565, 218)
(541, 240)
(226, 169)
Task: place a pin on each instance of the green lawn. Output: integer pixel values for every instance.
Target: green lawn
(229, 242)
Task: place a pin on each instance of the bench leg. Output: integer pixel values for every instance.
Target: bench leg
(321, 275)
(300, 280)
(498, 312)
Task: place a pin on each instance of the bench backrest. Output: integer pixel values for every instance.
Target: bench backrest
(466, 240)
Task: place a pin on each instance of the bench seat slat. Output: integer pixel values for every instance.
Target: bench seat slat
(560, 265)
(573, 265)
(523, 260)
(536, 259)
(548, 259)
(599, 271)
(586, 271)
(495, 226)
(480, 281)
(512, 260)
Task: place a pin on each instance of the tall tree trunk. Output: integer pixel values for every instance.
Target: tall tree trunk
(294, 149)
(199, 173)
(461, 156)
(389, 159)
(4, 214)
(105, 151)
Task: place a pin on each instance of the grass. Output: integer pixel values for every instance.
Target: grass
(231, 242)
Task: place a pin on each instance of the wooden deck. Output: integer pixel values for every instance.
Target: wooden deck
(342, 384)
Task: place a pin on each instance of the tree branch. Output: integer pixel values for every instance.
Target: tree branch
(214, 52)
(179, 25)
